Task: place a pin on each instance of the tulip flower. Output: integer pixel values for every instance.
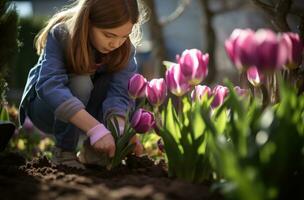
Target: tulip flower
(28, 126)
(241, 92)
(137, 86)
(156, 91)
(193, 64)
(199, 92)
(271, 52)
(142, 121)
(219, 93)
(240, 48)
(176, 82)
(161, 145)
(253, 76)
(295, 49)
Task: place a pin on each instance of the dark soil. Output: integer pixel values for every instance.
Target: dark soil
(139, 178)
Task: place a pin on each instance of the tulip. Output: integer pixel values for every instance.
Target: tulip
(137, 86)
(295, 49)
(246, 48)
(199, 92)
(28, 126)
(193, 64)
(156, 91)
(176, 82)
(142, 121)
(240, 48)
(272, 51)
(161, 145)
(219, 93)
(241, 92)
(253, 76)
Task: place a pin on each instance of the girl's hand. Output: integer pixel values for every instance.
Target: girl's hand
(138, 149)
(106, 145)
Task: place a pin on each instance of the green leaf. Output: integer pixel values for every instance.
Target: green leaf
(168, 64)
(4, 116)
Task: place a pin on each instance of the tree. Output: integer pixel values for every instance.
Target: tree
(8, 49)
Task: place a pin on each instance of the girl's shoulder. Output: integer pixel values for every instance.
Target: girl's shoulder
(60, 32)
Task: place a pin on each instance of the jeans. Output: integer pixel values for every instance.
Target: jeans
(91, 91)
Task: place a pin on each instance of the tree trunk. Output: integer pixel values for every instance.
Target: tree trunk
(210, 39)
(157, 38)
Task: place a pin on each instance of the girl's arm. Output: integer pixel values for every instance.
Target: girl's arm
(100, 137)
(118, 100)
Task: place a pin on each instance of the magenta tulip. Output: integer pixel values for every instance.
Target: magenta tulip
(193, 64)
(156, 91)
(160, 145)
(142, 121)
(271, 52)
(137, 86)
(240, 48)
(295, 49)
(219, 93)
(254, 77)
(176, 82)
(241, 92)
(28, 126)
(199, 92)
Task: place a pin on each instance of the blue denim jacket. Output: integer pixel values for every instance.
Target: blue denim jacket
(48, 80)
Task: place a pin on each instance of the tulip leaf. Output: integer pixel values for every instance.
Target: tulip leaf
(4, 116)
(168, 64)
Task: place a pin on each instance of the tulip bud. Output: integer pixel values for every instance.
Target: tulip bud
(295, 49)
(28, 126)
(253, 76)
(193, 64)
(161, 145)
(156, 91)
(199, 92)
(241, 92)
(272, 51)
(219, 93)
(176, 81)
(137, 86)
(240, 48)
(142, 121)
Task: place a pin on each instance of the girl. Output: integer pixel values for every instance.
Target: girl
(80, 80)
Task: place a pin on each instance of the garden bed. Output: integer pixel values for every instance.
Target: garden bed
(139, 178)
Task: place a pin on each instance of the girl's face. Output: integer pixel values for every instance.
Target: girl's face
(107, 40)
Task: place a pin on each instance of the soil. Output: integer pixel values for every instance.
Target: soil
(139, 178)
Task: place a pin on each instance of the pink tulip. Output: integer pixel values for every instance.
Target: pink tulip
(199, 92)
(219, 93)
(271, 51)
(28, 126)
(176, 82)
(254, 77)
(193, 64)
(240, 48)
(142, 121)
(241, 92)
(156, 91)
(161, 145)
(137, 86)
(295, 49)
(246, 48)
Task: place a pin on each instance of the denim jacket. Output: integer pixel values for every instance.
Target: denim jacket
(48, 80)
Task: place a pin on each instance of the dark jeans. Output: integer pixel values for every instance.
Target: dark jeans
(91, 91)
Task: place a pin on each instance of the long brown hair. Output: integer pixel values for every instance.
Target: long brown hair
(83, 14)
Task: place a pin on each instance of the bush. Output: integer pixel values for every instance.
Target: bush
(27, 57)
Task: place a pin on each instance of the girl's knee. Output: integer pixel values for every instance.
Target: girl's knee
(81, 87)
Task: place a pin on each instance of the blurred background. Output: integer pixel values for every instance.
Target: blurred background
(174, 25)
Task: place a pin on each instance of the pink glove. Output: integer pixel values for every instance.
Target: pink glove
(97, 133)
